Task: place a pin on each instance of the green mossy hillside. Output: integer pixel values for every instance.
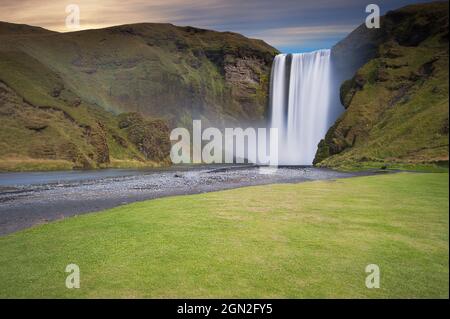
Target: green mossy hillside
(61, 94)
(397, 102)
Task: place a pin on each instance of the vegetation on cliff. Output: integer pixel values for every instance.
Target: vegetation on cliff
(397, 101)
(60, 93)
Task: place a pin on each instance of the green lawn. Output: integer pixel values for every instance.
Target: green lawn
(297, 240)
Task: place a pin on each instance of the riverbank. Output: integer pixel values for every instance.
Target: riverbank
(307, 240)
(47, 165)
(34, 198)
(353, 166)
(12, 165)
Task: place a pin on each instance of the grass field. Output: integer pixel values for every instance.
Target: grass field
(298, 240)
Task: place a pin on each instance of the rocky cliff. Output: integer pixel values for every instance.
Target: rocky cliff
(395, 92)
(61, 94)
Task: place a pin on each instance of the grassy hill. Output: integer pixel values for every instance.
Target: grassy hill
(60, 93)
(397, 100)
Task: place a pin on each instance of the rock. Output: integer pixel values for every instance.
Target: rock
(96, 136)
(75, 102)
(150, 136)
(390, 113)
(120, 140)
(36, 126)
(350, 87)
(56, 92)
(427, 68)
(381, 75)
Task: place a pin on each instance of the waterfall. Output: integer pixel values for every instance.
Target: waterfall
(300, 103)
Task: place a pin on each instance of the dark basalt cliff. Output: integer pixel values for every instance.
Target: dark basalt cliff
(394, 88)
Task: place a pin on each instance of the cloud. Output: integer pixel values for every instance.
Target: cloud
(288, 35)
(286, 23)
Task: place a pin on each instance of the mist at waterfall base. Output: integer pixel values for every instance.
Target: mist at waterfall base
(302, 104)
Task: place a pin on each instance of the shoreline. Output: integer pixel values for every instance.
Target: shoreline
(27, 204)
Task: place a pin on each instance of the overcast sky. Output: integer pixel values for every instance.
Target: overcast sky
(289, 25)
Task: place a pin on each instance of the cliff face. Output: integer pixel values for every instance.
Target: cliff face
(76, 84)
(158, 70)
(395, 91)
(67, 134)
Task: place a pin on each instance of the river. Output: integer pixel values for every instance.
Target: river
(28, 199)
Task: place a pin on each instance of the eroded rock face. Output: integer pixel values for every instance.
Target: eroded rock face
(97, 137)
(33, 132)
(159, 70)
(349, 88)
(396, 91)
(248, 79)
(150, 136)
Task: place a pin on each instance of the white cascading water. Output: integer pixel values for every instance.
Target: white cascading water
(300, 103)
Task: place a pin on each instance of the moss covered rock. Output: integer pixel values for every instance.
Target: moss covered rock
(396, 101)
(150, 136)
(63, 92)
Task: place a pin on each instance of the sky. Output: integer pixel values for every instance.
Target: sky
(289, 25)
